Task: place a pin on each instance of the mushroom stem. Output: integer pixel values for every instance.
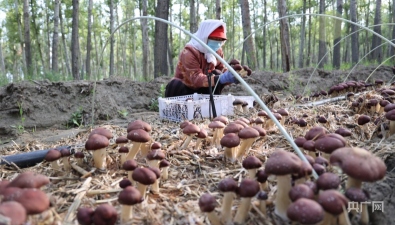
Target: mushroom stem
(134, 150)
(300, 181)
(155, 186)
(153, 163)
(364, 214)
(198, 143)
(244, 147)
(55, 165)
(80, 162)
(351, 182)
(392, 127)
(252, 173)
(142, 189)
(262, 207)
(264, 186)
(214, 220)
(381, 110)
(98, 157)
(66, 163)
(165, 173)
(186, 143)
(282, 198)
(144, 150)
(239, 108)
(123, 158)
(126, 213)
(343, 218)
(242, 211)
(312, 154)
(329, 219)
(130, 174)
(226, 210)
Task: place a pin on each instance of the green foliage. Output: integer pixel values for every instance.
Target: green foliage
(155, 102)
(76, 119)
(124, 113)
(20, 128)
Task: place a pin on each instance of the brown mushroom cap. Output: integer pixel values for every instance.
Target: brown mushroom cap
(53, 155)
(261, 176)
(202, 134)
(343, 132)
(319, 169)
(244, 120)
(33, 200)
(305, 170)
(216, 125)
(301, 191)
(242, 123)
(283, 112)
(328, 181)
(263, 113)
(332, 201)
(96, 141)
(139, 135)
(259, 120)
(322, 119)
(389, 107)
(252, 162)
(228, 185)
(85, 216)
(283, 163)
(222, 119)
(191, 129)
(123, 149)
(105, 214)
(29, 180)
(156, 146)
(79, 155)
(305, 211)
(248, 132)
(156, 171)
(129, 196)
(164, 163)
(129, 165)
(359, 164)
(302, 123)
(310, 159)
(65, 152)
(248, 188)
(230, 140)
(139, 124)
(207, 203)
(261, 131)
(357, 195)
(144, 176)
(121, 140)
(238, 102)
(309, 145)
(155, 155)
(315, 132)
(125, 183)
(278, 116)
(262, 195)
(322, 161)
(184, 124)
(390, 115)
(234, 62)
(312, 186)
(102, 131)
(384, 103)
(300, 141)
(14, 211)
(363, 119)
(3, 185)
(233, 128)
(328, 144)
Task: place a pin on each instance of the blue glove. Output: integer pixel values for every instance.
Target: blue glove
(228, 77)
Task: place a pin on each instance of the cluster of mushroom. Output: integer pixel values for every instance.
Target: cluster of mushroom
(22, 197)
(242, 70)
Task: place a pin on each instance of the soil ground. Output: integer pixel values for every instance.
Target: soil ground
(47, 106)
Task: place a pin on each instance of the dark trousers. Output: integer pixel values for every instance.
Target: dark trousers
(177, 88)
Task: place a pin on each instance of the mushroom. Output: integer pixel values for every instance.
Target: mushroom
(343, 132)
(238, 104)
(309, 146)
(139, 124)
(144, 177)
(263, 115)
(283, 164)
(130, 166)
(329, 143)
(154, 157)
(244, 106)
(305, 211)
(33, 200)
(52, 156)
(137, 137)
(128, 197)
(80, 158)
(261, 177)
(102, 131)
(300, 142)
(29, 180)
(248, 188)
(304, 172)
(315, 133)
(319, 169)
(230, 142)
(229, 187)
(363, 121)
(125, 183)
(65, 158)
(284, 114)
(252, 164)
(105, 214)
(222, 119)
(85, 216)
(391, 117)
(374, 105)
(378, 82)
(155, 185)
(259, 122)
(182, 126)
(218, 129)
(322, 161)
(207, 205)
(334, 204)
(164, 165)
(262, 197)
(98, 143)
(383, 103)
(123, 151)
(233, 128)
(248, 136)
(200, 137)
(300, 191)
(121, 141)
(328, 181)
(14, 211)
(359, 164)
(190, 130)
(360, 196)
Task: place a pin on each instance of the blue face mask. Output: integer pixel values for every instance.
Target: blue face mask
(214, 45)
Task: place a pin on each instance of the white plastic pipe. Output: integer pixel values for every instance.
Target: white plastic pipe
(290, 140)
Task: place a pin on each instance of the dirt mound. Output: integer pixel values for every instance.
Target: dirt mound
(51, 104)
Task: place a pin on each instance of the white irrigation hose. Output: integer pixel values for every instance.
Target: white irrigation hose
(238, 77)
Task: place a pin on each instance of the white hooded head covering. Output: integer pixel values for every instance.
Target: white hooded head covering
(205, 29)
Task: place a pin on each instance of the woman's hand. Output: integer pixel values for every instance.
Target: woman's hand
(228, 77)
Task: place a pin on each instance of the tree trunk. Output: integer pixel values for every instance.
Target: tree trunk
(367, 32)
(284, 36)
(66, 50)
(89, 42)
(20, 36)
(97, 55)
(197, 13)
(170, 47)
(28, 52)
(354, 37)
(112, 38)
(392, 49)
(377, 55)
(308, 58)
(322, 36)
(249, 45)
(125, 44)
(37, 34)
(2, 67)
(337, 35)
(256, 35)
(161, 40)
(271, 52)
(264, 35)
(55, 38)
(218, 9)
(75, 53)
(48, 58)
(192, 21)
(302, 36)
(144, 29)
